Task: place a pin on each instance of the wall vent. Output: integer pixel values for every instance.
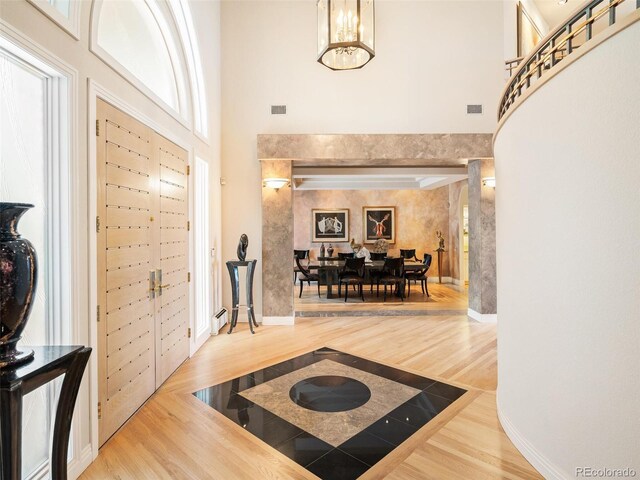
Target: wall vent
(472, 109)
(278, 109)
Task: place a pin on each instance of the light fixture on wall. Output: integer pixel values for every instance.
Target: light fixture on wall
(489, 182)
(275, 183)
(346, 33)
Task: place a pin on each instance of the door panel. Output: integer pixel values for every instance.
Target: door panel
(143, 208)
(174, 261)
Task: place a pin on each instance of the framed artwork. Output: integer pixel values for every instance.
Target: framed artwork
(379, 222)
(330, 225)
(528, 32)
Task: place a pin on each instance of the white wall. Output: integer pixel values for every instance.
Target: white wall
(568, 237)
(30, 28)
(432, 58)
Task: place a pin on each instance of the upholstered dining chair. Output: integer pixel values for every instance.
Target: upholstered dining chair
(392, 274)
(352, 273)
(306, 276)
(302, 255)
(419, 275)
(409, 254)
(374, 274)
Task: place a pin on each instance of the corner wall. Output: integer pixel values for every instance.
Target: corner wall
(568, 218)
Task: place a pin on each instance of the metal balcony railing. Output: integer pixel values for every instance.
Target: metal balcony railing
(556, 46)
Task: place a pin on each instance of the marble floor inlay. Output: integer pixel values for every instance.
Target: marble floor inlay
(335, 414)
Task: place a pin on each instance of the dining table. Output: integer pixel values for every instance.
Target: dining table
(328, 270)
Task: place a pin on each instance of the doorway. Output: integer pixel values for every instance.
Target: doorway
(464, 236)
(142, 263)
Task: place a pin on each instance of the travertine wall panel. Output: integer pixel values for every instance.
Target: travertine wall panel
(277, 242)
(419, 214)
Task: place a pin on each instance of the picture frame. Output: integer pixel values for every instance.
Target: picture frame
(330, 225)
(377, 223)
(528, 33)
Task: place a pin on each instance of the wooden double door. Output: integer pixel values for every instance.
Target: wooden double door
(143, 263)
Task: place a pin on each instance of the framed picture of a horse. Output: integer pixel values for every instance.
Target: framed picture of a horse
(330, 225)
(377, 223)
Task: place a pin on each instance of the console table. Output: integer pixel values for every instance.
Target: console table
(232, 266)
(48, 363)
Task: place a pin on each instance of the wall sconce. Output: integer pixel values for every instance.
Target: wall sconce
(489, 182)
(275, 183)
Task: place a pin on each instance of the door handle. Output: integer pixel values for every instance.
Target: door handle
(152, 284)
(159, 286)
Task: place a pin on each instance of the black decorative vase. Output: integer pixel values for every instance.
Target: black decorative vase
(18, 278)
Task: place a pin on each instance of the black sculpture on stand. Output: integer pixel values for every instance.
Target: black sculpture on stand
(234, 274)
(242, 247)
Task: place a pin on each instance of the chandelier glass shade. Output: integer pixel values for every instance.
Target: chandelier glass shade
(346, 33)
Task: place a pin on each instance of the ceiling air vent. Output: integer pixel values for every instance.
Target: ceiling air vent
(472, 109)
(278, 109)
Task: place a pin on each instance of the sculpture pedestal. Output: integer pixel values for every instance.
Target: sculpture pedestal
(234, 274)
(440, 252)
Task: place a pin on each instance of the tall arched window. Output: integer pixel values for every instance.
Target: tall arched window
(135, 38)
(153, 43)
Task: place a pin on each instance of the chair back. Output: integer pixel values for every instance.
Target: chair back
(427, 263)
(302, 254)
(353, 266)
(378, 256)
(344, 255)
(408, 254)
(393, 266)
(303, 270)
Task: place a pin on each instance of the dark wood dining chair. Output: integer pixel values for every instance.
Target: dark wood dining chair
(420, 275)
(302, 255)
(306, 276)
(344, 255)
(409, 254)
(352, 273)
(392, 274)
(374, 274)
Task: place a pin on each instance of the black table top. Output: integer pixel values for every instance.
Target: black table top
(48, 358)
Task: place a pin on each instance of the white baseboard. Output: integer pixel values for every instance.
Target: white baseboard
(547, 469)
(278, 320)
(483, 317)
(436, 279)
(80, 464)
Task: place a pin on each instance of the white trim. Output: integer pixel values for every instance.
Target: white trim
(482, 317)
(435, 279)
(546, 468)
(70, 24)
(79, 464)
(278, 320)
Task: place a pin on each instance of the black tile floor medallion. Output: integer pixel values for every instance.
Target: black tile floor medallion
(335, 414)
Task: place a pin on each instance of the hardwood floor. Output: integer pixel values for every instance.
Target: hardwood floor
(176, 436)
(445, 298)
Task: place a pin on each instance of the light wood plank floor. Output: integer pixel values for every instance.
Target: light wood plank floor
(175, 436)
(443, 298)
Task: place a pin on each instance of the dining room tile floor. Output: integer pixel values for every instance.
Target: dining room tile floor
(335, 414)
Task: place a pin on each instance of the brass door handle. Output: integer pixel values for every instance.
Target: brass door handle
(160, 287)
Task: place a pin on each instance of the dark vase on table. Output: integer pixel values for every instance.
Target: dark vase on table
(330, 250)
(18, 278)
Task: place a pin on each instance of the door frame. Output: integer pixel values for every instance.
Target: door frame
(96, 91)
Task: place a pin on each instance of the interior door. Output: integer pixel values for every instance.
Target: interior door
(173, 297)
(142, 264)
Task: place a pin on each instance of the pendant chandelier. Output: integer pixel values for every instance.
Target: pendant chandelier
(346, 33)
